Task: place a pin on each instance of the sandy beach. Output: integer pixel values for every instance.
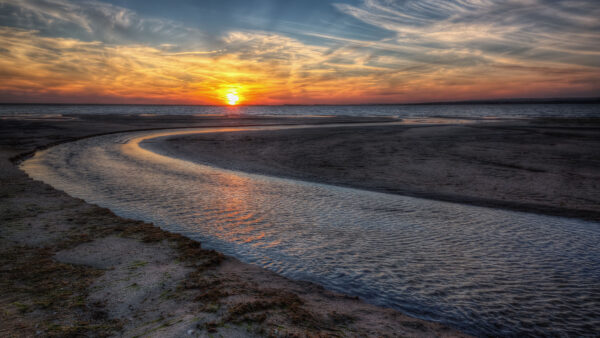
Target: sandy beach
(68, 268)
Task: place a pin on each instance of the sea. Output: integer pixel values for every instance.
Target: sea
(505, 110)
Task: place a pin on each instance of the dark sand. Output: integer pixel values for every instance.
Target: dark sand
(68, 268)
(549, 166)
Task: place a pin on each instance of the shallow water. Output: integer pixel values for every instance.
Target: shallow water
(486, 271)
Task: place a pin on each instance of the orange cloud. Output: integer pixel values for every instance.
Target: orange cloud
(266, 69)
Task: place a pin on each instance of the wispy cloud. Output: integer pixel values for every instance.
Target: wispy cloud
(93, 20)
(503, 31)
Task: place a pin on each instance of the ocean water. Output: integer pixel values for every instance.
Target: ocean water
(440, 110)
(485, 271)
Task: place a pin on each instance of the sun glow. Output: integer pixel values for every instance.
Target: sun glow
(232, 98)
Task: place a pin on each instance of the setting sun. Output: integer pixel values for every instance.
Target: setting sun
(232, 99)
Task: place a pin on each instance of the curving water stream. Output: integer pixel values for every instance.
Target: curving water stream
(486, 271)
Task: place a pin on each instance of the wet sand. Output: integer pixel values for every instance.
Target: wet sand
(68, 268)
(549, 166)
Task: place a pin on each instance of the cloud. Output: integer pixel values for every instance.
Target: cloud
(442, 50)
(261, 65)
(93, 20)
(512, 31)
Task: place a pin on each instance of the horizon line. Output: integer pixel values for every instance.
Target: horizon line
(551, 100)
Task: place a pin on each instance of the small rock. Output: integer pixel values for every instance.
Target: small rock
(190, 332)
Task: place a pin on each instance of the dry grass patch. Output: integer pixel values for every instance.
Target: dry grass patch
(43, 296)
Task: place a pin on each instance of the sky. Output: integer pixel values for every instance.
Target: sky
(297, 52)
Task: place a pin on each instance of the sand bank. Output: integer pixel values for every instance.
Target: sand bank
(544, 166)
(71, 268)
